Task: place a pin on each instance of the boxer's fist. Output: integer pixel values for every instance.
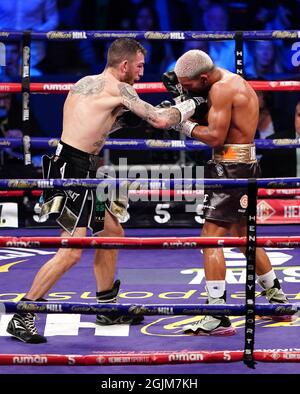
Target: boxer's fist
(171, 83)
(186, 127)
(201, 107)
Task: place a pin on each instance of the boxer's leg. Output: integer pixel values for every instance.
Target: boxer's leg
(104, 269)
(22, 325)
(215, 270)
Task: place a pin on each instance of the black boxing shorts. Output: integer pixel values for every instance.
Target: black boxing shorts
(80, 208)
(227, 205)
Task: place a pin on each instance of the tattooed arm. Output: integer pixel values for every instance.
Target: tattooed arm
(157, 117)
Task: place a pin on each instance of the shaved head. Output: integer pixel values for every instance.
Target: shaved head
(193, 63)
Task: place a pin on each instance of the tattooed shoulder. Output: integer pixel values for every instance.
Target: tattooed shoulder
(128, 94)
(88, 86)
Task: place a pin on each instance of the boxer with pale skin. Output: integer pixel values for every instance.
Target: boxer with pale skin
(94, 106)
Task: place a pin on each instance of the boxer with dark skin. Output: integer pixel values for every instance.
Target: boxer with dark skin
(232, 122)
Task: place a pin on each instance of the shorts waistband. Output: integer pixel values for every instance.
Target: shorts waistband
(235, 153)
(91, 162)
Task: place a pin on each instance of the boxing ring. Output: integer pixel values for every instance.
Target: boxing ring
(161, 272)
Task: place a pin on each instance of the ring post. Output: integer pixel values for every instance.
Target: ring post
(250, 275)
(26, 95)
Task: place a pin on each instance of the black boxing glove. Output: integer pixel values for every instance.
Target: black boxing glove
(201, 106)
(171, 83)
(179, 94)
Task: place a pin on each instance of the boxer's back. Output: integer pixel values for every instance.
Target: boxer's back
(90, 111)
(244, 109)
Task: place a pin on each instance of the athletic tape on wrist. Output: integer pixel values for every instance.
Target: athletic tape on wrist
(186, 109)
(186, 127)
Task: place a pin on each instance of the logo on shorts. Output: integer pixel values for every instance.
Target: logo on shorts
(219, 169)
(9, 214)
(244, 201)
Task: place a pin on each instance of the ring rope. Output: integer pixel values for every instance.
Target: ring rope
(145, 243)
(137, 183)
(147, 358)
(146, 144)
(166, 193)
(142, 87)
(165, 35)
(147, 309)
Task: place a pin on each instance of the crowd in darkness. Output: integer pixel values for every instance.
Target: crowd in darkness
(264, 59)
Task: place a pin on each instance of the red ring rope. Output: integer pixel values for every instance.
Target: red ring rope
(168, 193)
(145, 243)
(148, 87)
(183, 357)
